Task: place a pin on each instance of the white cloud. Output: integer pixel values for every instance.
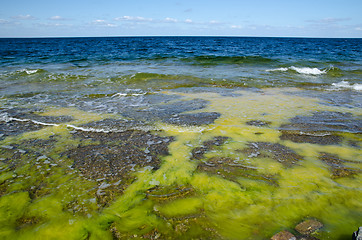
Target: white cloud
(24, 17)
(54, 25)
(328, 20)
(57, 18)
(103, 23)
(188, 21)
(133, 19)
(170, 20)
(236, 27)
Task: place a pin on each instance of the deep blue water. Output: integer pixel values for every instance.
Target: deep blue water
(55, 50)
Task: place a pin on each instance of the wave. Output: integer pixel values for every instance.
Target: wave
(346, 85)
(300, 70)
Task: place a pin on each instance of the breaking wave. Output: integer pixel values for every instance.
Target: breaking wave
(300, 70)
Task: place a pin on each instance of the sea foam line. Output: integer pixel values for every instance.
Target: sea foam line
(4, 117)
(301, 70)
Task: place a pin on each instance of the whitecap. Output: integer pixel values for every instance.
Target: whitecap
(301, 70)
(29, 71)
(346, 85)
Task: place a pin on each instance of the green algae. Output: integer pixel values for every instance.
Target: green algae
(46, 196)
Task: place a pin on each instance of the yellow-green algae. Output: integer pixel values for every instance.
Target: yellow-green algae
(42, 198)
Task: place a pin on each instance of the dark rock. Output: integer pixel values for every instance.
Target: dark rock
(198, 153)
(118, 154)
(325, 122)
(258, 123)
(13, 128)
(337, 165)
(231, 170)
(320, 128)
(283, 235)
(308, 226)
(357, 235)
(314, 138)
(195, 119)
(276, 151)
(163, 111)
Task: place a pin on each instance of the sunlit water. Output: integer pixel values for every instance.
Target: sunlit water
(179, 138)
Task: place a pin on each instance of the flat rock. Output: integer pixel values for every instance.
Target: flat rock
(308, 226)
(283, 235)
(276, 151)
(339, 167)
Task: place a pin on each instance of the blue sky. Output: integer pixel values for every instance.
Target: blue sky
(308, 18)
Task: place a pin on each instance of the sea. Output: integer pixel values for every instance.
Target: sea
(180, 138)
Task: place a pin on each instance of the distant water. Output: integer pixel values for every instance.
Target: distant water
(179, 137)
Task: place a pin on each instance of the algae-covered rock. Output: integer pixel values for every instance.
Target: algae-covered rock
(338, 166)
(283, 235)
(198, 153)
(321, 128)
(275, 151)
(308, 226)
(195, 119)
(118, 154)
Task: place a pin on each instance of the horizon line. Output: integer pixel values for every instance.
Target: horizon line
(145, 36)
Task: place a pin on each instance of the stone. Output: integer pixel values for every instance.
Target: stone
(308, 226)
(283, 235)
(357, 235)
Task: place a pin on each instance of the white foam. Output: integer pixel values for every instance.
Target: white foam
(346, 85)
(6, 118)
(301, 70)
(29, 71)
(128, 94)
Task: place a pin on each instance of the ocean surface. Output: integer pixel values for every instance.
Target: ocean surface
(179, 137)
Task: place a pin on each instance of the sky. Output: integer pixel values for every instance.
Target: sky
(261, 18)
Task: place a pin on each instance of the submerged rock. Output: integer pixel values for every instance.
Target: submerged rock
(283, 235)
(308, 226)
(337, 165)
(118, 154)
(276, 151)
(198, 153)
(320, 128)
(195, 119)
(258, 123)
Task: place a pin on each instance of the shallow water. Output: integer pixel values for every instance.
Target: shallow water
(193, 143)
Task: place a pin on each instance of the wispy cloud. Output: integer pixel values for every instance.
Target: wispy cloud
(53, 25)
(3, 21)
(58, 18)
(328, 20)
(189, 21)
(236, 27)
(103, 23)
(171, 20)
(24, 17)
(133, 19)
